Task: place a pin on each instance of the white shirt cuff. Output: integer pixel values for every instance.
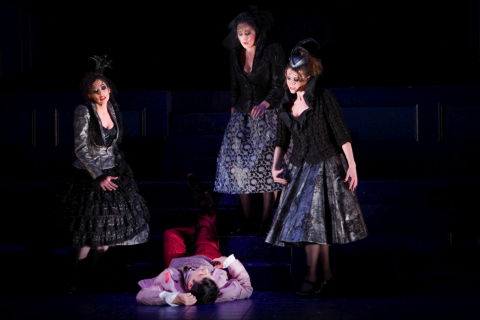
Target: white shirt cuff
(169, 297)
(229, 261)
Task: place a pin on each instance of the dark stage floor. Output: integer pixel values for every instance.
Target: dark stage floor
(262, 305)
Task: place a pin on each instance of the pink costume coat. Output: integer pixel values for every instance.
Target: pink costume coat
(233, 285)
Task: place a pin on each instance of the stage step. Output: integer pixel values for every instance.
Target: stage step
(197, 124)
(200, 101)
(371, 266)
(184, 154)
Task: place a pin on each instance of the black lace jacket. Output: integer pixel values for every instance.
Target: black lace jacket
(265, 82)
(318, 133)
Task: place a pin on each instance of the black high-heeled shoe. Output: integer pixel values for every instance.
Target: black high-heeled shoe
(327, 288)
(264, 228)
(308, 288)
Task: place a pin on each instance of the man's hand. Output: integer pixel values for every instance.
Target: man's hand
(218, 262)
(185, 299)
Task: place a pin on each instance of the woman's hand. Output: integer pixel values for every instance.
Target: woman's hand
(185, 299)
(233, 110)
(218, 262)
(107, 184)
(276, 178)
(352, 176)
(259, 109)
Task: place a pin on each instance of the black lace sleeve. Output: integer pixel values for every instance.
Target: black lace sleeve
(283, 132)
(277, 66)
(234, 87)
(334, 118)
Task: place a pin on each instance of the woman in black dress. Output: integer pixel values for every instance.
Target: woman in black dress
(246, 154)
(318, 206)
(102, 205)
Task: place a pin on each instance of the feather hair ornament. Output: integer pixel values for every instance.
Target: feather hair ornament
(101, 63)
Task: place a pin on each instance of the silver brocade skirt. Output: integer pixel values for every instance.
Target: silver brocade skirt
(317, 207)
(244, 163)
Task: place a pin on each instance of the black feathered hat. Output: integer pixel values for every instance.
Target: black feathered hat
(297, 58)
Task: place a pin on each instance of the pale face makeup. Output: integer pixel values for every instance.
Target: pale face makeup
(246, 35)
(294, 81)
(99, 92)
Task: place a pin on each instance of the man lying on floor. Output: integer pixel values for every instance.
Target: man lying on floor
(203, 278)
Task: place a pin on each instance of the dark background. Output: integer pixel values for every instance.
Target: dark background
(45, 45)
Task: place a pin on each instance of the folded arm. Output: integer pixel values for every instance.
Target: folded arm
(238, 286)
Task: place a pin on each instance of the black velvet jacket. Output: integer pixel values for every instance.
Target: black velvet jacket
(318, 133)
(265, 82)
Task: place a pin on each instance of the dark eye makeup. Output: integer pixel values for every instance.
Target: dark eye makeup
(103, 88)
